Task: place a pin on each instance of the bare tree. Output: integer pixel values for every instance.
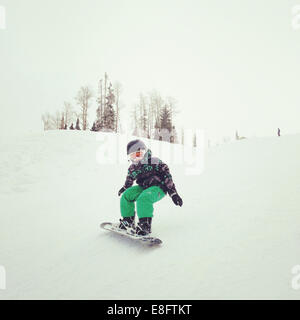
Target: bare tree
(172, 104)
(143, 116)
(62, 122)
(52, 122)
(105, 88)
(156, 103)
(57, 120)
(83, 98)
(69, 113)
(99, 112)
(140, 117)
(135, 121)
(117, 92)
(48, 121)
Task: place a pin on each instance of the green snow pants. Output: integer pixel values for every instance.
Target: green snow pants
(144, 201)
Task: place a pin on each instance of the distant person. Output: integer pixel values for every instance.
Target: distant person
(237, 136)
(278, 132)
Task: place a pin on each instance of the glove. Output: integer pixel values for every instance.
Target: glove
(121, 191)
(177, 200)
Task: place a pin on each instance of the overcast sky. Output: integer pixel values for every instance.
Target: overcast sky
(232, 65)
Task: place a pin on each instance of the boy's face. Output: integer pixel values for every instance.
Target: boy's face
(137, 155)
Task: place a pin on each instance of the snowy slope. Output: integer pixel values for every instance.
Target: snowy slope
(236, 236)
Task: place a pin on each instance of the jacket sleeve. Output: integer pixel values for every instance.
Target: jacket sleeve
(130, 178)
(167, 180)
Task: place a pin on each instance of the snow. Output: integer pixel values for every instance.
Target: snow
(236, 236)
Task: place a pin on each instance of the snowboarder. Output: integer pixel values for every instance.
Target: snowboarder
(278, 132)
(153, 182)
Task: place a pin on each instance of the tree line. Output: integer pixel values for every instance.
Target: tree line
(151, 117)
(106, 115)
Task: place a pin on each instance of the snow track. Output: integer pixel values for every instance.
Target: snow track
(236, 236)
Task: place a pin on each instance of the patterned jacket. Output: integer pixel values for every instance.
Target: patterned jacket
(150, 171)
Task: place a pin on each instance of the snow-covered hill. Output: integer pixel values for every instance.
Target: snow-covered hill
(236, 236)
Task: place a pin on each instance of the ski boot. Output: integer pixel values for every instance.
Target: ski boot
(127, 223)
(143, 227)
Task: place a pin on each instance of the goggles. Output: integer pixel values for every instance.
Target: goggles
(137, 155)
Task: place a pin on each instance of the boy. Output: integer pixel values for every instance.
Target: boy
(153, 182)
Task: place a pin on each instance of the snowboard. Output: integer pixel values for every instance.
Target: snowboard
(114, 227)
